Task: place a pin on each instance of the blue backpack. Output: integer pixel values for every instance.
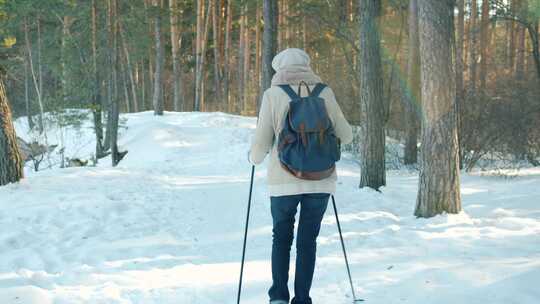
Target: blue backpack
(308, 147)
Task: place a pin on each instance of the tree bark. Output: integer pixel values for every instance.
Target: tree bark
(157, 99)
(258, 54)
(247, 59)
(226, 63)
(143, 85)
(534, 34)
(27, 94)
(372, 164)
(521, 42)
(269, 45)
(414, 94)
(202, 34)
(11, 162)
(241, 54)
(96, 96)
(473, 34)
(175, 37)
(217, 59)
(484, 41)
(129, 66)
(513, 29)
(439, 171)
(36, 78)
(460, 66)
(124, 80)
(113, 115)
(66, 25)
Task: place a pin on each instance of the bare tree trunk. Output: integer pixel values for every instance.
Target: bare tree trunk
(521, 42)
(198, 54)
(473, 34)
(439, 171)
(373, 173)
(513, 29)
(414, 94)
(96, 96)
(286, 26)
(123, 77)
(534, 34)
(40, 73)
(217, 59)
(202, 34)
(177, 82)
(143, 86)
(484, 41)
(226, 69)
(281, 24)
(35, 79)
(241, 54)
(27, 94)
(460, 67)
(258, 53)
(157, 99)
(147, 102)
(203, 73)
(129, 66)
(247, 59)
(113, 106)
(304, 33)
(269, 44)
(111, 79)
(11, 162)
(66, 25)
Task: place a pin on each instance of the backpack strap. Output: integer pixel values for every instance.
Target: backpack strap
(317, 89)
(287, 88)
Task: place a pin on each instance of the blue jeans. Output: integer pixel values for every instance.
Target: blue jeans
(313, 207)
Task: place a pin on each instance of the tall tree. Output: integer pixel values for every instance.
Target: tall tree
(96, 98)
(36, 77)
(269, 44)
(521, 41)
(473, 34)
(11, 163)
(129, 67)
(27, 93)
(460, 65)
(67, 21)
(113, 111)
(217, 58)
(157, 99)
(175, 45)
(200, 50)
(484, 41)
(414, 94)
(241, 60)
(227, 60)
(439, 170)
(372, 161)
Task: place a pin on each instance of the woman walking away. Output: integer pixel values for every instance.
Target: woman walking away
(301, 126)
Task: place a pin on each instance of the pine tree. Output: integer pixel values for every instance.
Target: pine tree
(11, 163)
(439, 170)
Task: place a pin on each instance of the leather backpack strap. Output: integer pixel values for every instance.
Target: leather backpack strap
(287, 88)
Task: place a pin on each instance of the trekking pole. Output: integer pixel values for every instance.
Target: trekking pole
(245, 235)
(345, 253)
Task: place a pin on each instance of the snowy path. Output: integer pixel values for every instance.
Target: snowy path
(166, 226)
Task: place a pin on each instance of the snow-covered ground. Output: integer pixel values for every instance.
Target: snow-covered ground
(166, 226)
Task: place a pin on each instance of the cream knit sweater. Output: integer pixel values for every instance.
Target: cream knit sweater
(292, 66)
